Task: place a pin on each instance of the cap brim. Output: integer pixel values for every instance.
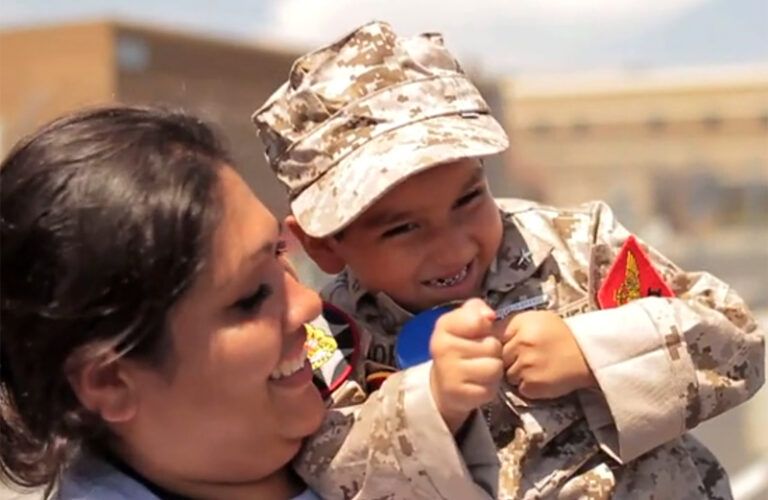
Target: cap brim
(360, 179)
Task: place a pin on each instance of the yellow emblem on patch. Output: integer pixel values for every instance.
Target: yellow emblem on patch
(630, 287)
(320, 345)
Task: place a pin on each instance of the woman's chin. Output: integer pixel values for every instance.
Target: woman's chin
(316, 412)
(304, 415)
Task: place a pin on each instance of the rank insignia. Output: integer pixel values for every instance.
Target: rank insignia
(631, 276)
(333, 348)
(320, 345)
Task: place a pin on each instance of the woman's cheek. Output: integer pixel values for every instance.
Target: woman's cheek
(250, 345)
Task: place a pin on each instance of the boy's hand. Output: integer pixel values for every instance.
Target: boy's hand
(467, 366)
(542, 358)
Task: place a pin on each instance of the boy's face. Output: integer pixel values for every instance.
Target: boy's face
(429, 240)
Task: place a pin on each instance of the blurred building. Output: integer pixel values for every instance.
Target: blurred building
(689, 146)
(47, 71)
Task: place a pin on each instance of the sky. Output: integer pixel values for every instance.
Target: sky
(501, 36)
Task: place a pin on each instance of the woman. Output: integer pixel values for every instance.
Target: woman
(152, 335)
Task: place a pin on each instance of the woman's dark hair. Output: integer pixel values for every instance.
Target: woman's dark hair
(106, 215)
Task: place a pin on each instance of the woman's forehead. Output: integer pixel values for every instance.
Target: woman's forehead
(246, 232)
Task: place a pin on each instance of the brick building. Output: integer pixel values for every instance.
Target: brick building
(47, 71)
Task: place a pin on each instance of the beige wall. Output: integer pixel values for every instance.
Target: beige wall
(47, 71)
(581, 139)
(222, 81)
(103, 62)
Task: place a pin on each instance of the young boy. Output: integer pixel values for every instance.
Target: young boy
(378, 140)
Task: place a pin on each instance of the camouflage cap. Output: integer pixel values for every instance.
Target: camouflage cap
(363, 114)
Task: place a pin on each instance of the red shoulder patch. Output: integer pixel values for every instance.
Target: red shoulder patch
(631, 276)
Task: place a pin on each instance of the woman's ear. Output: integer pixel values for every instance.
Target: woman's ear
(318, 249)
(103, 386)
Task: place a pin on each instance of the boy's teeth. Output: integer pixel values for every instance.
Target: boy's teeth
(289, 367)
(450, 281)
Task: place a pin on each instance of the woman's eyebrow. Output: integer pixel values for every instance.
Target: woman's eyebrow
(268, 248)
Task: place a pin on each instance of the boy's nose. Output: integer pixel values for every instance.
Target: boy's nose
(452, 248)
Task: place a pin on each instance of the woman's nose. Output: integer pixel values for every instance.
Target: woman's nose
(303, 304)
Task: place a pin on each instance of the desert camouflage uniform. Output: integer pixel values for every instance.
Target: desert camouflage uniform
(364, 113)
(663, 364)
(393, 443)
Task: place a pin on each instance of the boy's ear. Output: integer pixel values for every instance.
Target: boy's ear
(318, 249)
(105, 388)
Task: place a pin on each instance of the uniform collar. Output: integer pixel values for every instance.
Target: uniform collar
(381, 301)
(520, 254)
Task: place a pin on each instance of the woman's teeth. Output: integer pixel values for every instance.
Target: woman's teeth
(449, 281)
(291, 366)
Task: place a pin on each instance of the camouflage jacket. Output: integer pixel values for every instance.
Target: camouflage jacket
(662, 364)
(392, 443)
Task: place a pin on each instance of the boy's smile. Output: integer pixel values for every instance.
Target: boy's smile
(427, 241)
(451, 280)
(454, 286)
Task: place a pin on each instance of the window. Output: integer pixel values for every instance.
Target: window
(133, 53)
(712, 121)
(764, 118)
(656, 124)
(542, 128)
(580, 127)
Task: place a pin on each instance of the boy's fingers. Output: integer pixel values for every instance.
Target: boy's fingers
(508, 354)
(481, 308)
(505, 331)
(473, 319)
(512, 326)
(514, 374)
(532, 390)
(498, 330)
(511, 346)
(481, 371)
(467, 348)
(490, 346)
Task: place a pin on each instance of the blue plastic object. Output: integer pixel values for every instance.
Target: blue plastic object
(412, 346)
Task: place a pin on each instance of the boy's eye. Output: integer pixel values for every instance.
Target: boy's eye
(250, 304)
(398, 230)
(467, 198)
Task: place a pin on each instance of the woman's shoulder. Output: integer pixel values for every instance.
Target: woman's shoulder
(306, 495)
(90, 478)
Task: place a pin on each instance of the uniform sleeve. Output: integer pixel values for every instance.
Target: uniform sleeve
(664, 364)
(395, 445)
